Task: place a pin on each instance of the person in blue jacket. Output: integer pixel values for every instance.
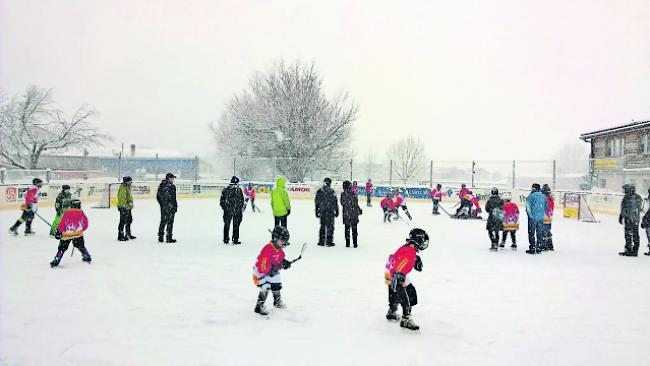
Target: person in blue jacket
(536, 206)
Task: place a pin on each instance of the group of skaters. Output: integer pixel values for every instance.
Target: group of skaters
(391, 205)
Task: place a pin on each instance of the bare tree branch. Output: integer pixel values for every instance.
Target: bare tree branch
(408, 157)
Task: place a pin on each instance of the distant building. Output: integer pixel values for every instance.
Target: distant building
(620, 155)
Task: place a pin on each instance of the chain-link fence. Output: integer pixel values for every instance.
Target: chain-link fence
(596, 174)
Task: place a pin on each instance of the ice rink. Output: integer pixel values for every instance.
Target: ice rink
(191, 303)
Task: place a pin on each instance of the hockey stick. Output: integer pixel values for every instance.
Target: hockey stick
(304, 245)
(41, 217)
(445, 211)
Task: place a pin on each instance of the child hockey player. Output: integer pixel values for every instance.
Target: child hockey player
(436, 197)
(494, 207)
(29, 209)
(355, 187)
(400, 201)
(61, 205)
(548, 218)
(476, 207)
(71, 229)
(266, 272)
(388, 206)
(510, 221)
(249, 193)
(369, 192)
(400, 289)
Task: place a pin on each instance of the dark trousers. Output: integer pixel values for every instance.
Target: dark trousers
(512, 235)
(436, 204)
(535, 234)
(494, 236)
(27, 217)
(326, 233)
(405, 296)
(351, 227)
(166, 221)
(369, 198)
(76, 242)
(236, 220)
(281, 221)
(125, 221)
(632, 240)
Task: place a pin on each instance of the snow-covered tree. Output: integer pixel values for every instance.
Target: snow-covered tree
(31, 124)
(408, 157)
(285, 114)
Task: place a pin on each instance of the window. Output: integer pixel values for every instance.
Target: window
(643, 144)
(615, 147)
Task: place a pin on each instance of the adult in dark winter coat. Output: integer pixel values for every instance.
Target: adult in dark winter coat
(327, 208)
(232, 203)
(630, 216)
(494, 207)
(166, 198)
(351, 212)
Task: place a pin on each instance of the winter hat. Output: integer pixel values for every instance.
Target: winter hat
(169, 176)
(64, 187)
(346, 185)
(327, 181)
(127, 179)
(36, 181)
(234, 180)
(536, 187)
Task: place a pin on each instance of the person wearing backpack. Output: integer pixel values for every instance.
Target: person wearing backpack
(494, 207)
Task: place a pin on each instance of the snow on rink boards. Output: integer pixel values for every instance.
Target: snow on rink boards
(191, 303)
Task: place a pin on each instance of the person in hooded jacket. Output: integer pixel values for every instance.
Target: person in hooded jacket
(166, 197)
(124, 207)
(494, 208)
(327, 209)
(351, 212)
(630, 216)
(536, 207)
(280, 203)
(232, 204)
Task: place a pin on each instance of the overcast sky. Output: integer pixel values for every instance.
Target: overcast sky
(474, 79)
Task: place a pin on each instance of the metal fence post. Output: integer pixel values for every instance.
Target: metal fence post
(119, 165)
(390, 174)
(351, 171)
(275, 168)
(554, 174)
(3, 175)
(157, 166)
(473, 172)
(234, 165)
(48, 175)
(431, 174)
(513, 174)
(196, 169)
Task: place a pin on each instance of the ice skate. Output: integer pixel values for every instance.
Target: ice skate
(55, 262)
(408, 323)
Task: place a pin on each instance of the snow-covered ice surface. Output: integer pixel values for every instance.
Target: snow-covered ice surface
(191, 303)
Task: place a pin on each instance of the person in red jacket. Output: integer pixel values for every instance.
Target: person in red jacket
(476, 207)
(400, 289)
(29, 209)
(266, 272)
(436, 197)
(388, 205)
(369, 192)
(510, 221)
(249, 194)
(71, 229)
(548, 218)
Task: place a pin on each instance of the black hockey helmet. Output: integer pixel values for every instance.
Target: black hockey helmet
(546, 189)
(169, 176)
(463, 185)
(327, 181)
(75, 203)
(495, 191)
(36, 181)
(347, 185)
(64, 187)
(419, 238)
(127, 179)
(438, 186)
(280, 233)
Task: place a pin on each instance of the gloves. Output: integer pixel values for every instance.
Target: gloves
(274, 270)
(479, 210)
(620, 219)
(288, 211)
(418, 264)
(397, 281)
(58, 235)
(360, 211)
(286, 264)
(337, 214)
(317, 214)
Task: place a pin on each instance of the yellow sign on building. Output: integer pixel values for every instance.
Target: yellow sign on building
(605, 164)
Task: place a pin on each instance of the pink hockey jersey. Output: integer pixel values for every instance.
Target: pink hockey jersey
(31, 196)
(436, 194)
(548, 215)
(403, 261)
(250, 192)
(269, 257)
(73, 224)
(511, 217)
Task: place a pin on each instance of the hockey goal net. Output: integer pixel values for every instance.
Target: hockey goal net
(109, 196)
(576, 207)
